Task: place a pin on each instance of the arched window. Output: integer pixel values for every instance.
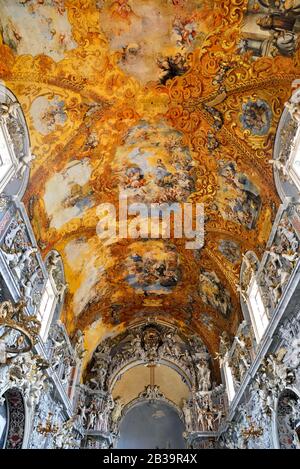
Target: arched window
(46, 309)
(291, 141)
(294, 160)
(229, 382)
(288, 420)
(15, 155)
(286, 154)
(251, 296)
(7, 159)
(257, 310)
(53, 294)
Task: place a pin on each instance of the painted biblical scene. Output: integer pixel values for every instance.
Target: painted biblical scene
(155, 165)
(68, 193)
(256, 117)
(213, 293)
(89, 264)
(153, 267)
(238, 198)
(36, 27)
(230, 250)
(149, 99)
(48, 114)
(153, 38)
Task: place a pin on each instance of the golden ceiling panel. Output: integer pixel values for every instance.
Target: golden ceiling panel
(166, 101)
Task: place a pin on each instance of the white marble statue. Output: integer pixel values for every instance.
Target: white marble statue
(294, 110)
(201, 419)
(3, 354)
(79, 344)
(186, 409)
(24, 162)
(8, 110)
(117, 410)
(99, 378)
(203, 374)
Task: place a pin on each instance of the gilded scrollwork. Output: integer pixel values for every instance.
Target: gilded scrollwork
(86, 94)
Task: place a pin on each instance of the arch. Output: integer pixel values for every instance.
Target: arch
(15, 181)
(163, 361)
(286, 422)
(246, 276)
(124, 354)
(14, 434)
(154, 421)
(252, 297)
(245, 279)
(286, 140)
(140, 400)
(159, 380)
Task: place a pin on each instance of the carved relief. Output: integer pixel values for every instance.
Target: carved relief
(21, 258)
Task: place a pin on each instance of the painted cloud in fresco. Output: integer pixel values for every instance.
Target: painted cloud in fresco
(153, 37)
(76, 252)
(87, 293)
(152, 267)
(48, 114)
(154, 165)
(238, 198)
(67, 193)
(89, 265)
(213, 293)
(85, 264)
(36, 27)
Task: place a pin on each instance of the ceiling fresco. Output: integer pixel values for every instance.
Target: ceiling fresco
(167, 101)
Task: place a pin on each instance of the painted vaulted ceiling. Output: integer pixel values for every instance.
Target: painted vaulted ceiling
(167, 101)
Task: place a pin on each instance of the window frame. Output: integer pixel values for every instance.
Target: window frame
(13, 161)
(257, 320)
(47, 320)
(291, 161)
(229, 381)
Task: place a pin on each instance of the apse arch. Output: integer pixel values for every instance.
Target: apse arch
(148, 362)
(145, 424)
(135, 363)
(180, 361)
(148, 386)
(14, 431)
(286, 419)
(159, 380)
(133, 348)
